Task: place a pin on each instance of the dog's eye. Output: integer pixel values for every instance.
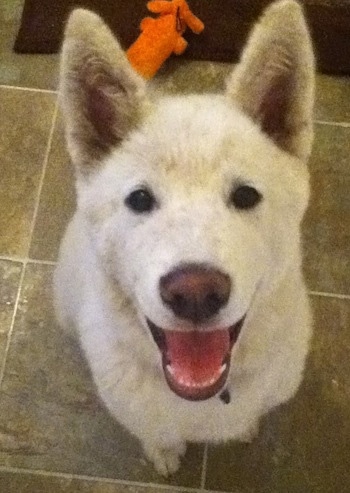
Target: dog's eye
(245, 197)
(140, 200)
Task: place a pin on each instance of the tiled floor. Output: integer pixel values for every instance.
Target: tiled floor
(55, 436)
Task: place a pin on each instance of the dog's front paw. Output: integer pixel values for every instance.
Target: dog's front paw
(166, 460)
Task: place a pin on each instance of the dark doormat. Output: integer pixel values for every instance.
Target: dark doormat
(227, 25)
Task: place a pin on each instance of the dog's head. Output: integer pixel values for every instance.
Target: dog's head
(194, 203)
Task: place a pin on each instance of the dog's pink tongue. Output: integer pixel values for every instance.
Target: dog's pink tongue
(196, 357)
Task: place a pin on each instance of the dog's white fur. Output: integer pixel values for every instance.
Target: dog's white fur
(191, 151)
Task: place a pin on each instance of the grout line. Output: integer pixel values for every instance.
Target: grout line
(204, 466)
(9, 335)
(12, 259)
(121, 482)
(43, 172)
(31, 89)
(43, 262)
(27, 260)
(335, 124)
(330, 295)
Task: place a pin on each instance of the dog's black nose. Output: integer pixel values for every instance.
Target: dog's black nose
(195, 292)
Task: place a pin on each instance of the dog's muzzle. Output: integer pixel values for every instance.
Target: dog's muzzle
(196, 352)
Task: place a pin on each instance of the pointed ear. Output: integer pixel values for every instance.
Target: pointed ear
(274, 82)
(101, 95)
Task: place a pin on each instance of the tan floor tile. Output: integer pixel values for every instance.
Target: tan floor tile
(24, 130)
(10, 273)
(187, 76)
(50, 417)
(327, 225)
(333, 98)
(303, 446)
(57, 201)
(32, 483)
(39, 71)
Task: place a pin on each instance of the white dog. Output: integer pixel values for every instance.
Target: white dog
(181, 269)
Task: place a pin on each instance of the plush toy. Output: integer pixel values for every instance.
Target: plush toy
(162, 36)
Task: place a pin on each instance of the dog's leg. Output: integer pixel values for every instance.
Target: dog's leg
(166, 460)
(125, 389)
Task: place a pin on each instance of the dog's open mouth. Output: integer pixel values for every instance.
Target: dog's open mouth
(196, 363)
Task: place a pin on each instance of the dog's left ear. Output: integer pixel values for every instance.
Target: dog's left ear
(274, 82)
(101, 95)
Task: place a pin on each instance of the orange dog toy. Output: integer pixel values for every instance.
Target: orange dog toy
(162, 36)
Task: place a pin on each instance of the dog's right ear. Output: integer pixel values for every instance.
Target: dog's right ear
(274, 82)
(101, 95)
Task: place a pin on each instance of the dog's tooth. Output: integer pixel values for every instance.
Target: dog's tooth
(196, 385)
(170, 369)
(192, 383)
